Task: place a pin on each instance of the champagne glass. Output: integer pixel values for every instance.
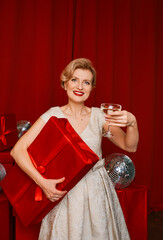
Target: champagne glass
(107, 108)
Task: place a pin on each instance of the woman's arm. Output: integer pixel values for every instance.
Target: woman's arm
(115, 121)
(20, 154)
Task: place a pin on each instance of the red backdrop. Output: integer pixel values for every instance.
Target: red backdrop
(124, 41)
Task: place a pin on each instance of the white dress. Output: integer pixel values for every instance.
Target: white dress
(91, 210)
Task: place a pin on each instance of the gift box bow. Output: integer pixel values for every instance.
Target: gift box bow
(3, 131)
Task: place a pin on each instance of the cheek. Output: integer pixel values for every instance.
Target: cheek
(89, 90)
(69, 85)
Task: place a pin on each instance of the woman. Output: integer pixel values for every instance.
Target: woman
(91, 210)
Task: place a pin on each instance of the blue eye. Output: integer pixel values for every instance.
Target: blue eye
(88, 83)
(73, 79)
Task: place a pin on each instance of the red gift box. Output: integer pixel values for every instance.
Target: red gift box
(26, 233)
(5, 218)
(57, 152)
(133, 200)
(8, 131)
(6, 160)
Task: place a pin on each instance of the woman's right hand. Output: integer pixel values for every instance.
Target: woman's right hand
(49, 188)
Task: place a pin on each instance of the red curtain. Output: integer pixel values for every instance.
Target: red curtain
(123, 39)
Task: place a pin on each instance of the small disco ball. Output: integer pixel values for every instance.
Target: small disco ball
(22, 127)
(120, 169)
(2, 174)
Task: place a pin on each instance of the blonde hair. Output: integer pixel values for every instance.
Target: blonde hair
(82, 63)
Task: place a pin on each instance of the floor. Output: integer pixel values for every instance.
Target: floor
(155, 226)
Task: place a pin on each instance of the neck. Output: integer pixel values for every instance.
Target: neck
(75, 109)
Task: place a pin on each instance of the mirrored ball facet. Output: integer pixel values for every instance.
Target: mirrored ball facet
(120, 169)
(2, 174)
(22, 127)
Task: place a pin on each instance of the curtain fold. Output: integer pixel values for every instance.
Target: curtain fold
(124, 41)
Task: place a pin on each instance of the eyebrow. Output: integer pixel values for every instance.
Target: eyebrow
(83, 79)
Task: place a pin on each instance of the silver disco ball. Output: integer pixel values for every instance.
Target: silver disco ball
(22, 127)
(120, 169)
(2, 174)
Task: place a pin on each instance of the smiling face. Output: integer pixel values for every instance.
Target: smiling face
(79, 86)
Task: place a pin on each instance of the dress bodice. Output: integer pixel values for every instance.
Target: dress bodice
(92, 134)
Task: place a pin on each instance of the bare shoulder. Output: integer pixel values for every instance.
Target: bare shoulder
(37, 126)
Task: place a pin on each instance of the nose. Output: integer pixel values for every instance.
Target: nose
(80, 85)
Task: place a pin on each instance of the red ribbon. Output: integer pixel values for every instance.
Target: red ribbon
(38, 191)
(4, 132)
(41, 168)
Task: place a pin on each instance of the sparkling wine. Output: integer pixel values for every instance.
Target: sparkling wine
(110, 107)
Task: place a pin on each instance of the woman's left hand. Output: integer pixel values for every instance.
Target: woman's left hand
(120, 119)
